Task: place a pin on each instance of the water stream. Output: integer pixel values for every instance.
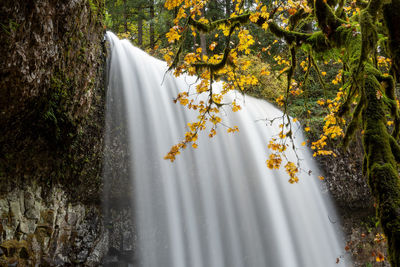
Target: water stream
(218, 205)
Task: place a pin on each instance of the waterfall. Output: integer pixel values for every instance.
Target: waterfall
(217, 205)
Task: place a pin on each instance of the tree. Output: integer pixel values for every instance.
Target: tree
(144, 22)
(363, 36)
(152, 44)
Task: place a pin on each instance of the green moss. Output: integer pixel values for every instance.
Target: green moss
(351, 130)
(58, 124)
(93, 6)
(395, 149)
(297, 17)
(381, 166)
(318, 42)
(326, 18)
(97, 10)
(290, 37)
(384, 178)
(369, 34)
(340, 11)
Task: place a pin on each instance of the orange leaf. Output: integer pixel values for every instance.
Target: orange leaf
(380, 257)
(292, 11)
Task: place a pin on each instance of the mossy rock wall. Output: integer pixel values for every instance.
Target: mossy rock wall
(52, 95)
(51, 133)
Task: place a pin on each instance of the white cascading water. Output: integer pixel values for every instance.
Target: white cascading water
(218, 205)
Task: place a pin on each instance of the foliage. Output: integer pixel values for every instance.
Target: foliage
(349, 47)
(367, 243)
(144, 22)
(269, 86)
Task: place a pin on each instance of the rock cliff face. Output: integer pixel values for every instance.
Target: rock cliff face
(53, 231)
(350, 192)
(49, 231)
(51, 135)
(51, 101)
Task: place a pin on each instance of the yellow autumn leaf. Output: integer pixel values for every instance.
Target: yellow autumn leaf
(171, 4)
(380, 257)
(173, 34)
(264, 71)
(254, 17)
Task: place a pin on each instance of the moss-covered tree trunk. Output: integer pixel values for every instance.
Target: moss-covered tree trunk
(152, 41)
(381, 150)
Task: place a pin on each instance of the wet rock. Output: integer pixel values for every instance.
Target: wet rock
(36, 249)
(32, 208)
(72, 218)
(348, 188)
(15, 210)
(62, 233)
(27, 226)
(99, 251)
(4, 208)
